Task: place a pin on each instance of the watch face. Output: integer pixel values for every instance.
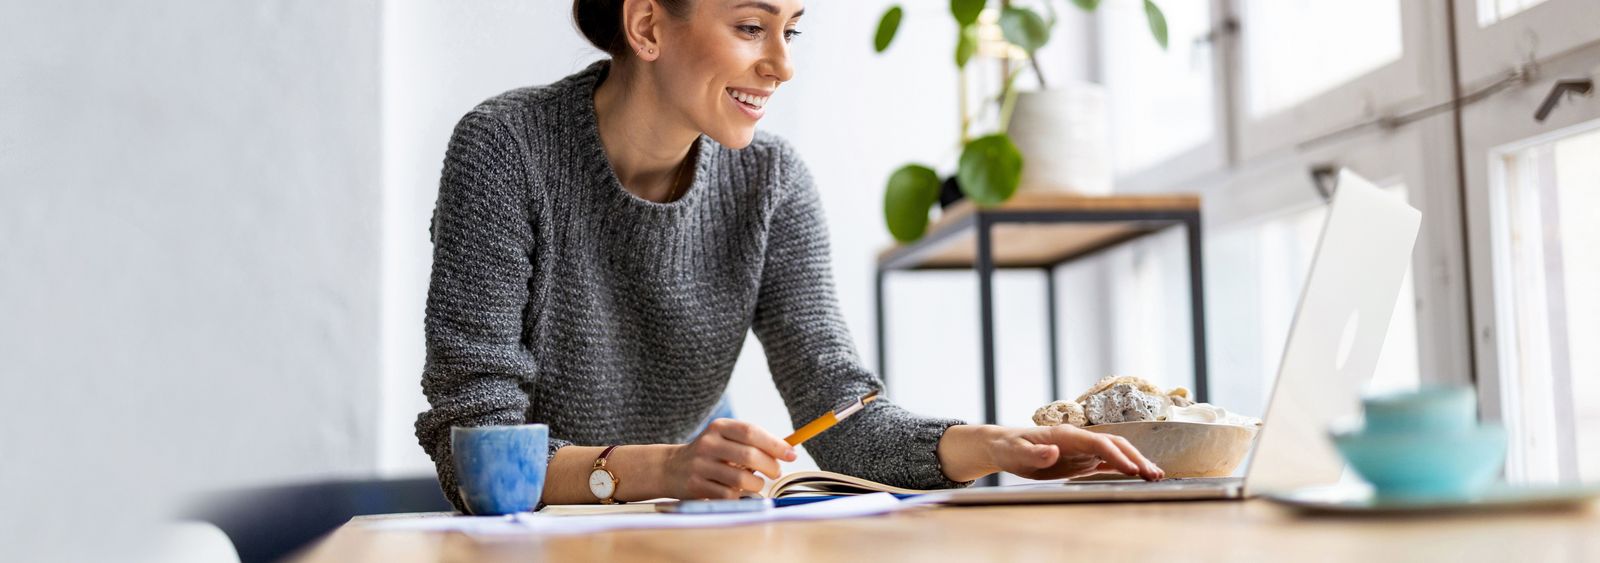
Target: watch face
(602, 484)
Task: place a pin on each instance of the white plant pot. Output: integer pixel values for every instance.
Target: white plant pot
(1065, 140)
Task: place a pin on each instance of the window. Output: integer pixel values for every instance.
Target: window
(1295, 49)
(1530, 196)
(1492, 11)
(1547, 265)
(1257, 272)
(1161, 102)
(1307, 68)
(1495, 36)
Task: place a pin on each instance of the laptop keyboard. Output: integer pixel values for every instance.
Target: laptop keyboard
(1198, 482)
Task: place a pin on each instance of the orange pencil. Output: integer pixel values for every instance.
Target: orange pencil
(829, 419)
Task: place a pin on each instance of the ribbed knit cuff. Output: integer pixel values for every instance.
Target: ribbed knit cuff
(923, 463)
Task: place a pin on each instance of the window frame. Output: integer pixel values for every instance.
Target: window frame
(1389, 88)
(1491, 129)
(1212, 156)
(1556, 26)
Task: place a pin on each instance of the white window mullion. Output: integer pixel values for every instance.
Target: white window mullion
(1559, 363)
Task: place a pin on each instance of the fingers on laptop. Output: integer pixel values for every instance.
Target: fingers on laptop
(1121, 454)
(1147, 468)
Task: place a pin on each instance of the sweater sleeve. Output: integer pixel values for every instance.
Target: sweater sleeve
(814, 362)
(476, 359)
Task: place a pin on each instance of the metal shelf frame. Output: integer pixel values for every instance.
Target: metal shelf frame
(983, 221)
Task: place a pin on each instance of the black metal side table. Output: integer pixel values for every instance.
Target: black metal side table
(1043, 231)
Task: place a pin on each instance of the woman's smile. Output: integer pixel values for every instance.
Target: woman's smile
(749, 101)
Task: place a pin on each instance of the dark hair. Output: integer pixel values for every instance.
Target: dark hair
(600, 21)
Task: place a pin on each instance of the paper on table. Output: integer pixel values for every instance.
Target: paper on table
(530, 523)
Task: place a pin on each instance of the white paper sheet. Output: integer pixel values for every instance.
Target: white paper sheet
(530, 523)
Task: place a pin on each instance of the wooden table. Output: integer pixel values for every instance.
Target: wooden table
(1167, 532)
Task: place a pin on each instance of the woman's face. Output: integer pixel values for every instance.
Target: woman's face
(720, 65)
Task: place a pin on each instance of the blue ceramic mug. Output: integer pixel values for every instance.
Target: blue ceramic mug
(1429, 409)
(500, 469)
(1424, 444)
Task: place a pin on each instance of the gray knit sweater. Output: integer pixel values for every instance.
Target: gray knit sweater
(559, 297)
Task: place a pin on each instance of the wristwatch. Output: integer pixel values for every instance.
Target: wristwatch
(602, 482)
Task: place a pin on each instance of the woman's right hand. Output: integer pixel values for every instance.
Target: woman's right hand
(1065, 451)
(723, 461)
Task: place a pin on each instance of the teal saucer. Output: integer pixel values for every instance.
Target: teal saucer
(1344, 499)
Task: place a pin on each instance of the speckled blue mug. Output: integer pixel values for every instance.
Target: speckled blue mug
(500, 469)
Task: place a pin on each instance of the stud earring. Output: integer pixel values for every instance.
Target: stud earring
(652, 51)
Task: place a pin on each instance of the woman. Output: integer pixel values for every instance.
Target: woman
(603, 244)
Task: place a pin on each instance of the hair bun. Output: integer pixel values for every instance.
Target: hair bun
(600, 21)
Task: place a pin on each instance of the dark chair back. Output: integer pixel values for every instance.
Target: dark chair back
(270, 523)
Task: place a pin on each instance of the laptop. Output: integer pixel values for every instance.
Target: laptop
(1332, 350)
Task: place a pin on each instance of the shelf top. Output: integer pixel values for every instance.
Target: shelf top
(1059, 228)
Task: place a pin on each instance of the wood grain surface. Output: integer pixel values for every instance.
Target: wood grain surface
(1169, 532)
(1032, 244)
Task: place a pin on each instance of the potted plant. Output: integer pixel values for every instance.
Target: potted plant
(991, 165)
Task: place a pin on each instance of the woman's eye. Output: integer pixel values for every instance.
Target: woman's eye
(790, 34)
(751, 30)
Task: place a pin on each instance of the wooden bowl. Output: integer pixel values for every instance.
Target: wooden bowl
(1184, 449)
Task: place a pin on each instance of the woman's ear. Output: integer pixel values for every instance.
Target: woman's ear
(641, 20)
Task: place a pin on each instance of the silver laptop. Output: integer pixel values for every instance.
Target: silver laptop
(1338, 331)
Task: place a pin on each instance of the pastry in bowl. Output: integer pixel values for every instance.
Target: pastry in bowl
(1184, 438)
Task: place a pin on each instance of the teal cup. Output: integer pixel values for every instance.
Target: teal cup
(500, 469)
(1434, 409)
(1424, 444)
(1420, 466)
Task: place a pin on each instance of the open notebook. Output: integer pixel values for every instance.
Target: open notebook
(827, 483)
(804, 484)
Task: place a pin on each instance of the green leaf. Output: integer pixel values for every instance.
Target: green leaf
(966, 11)
(1158, 22)
(990, 169)
(887, 26)
(1087, 5)
(966, 45)
(912, 191)
(1024, 28)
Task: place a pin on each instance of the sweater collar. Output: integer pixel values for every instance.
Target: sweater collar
(579, 110)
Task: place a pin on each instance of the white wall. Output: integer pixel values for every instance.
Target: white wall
(189, 244)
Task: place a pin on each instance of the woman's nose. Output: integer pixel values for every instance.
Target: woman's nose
(776, 64)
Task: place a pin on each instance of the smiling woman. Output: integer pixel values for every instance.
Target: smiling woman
(603, 244)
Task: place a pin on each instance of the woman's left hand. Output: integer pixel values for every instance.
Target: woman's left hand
(1065, 451)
